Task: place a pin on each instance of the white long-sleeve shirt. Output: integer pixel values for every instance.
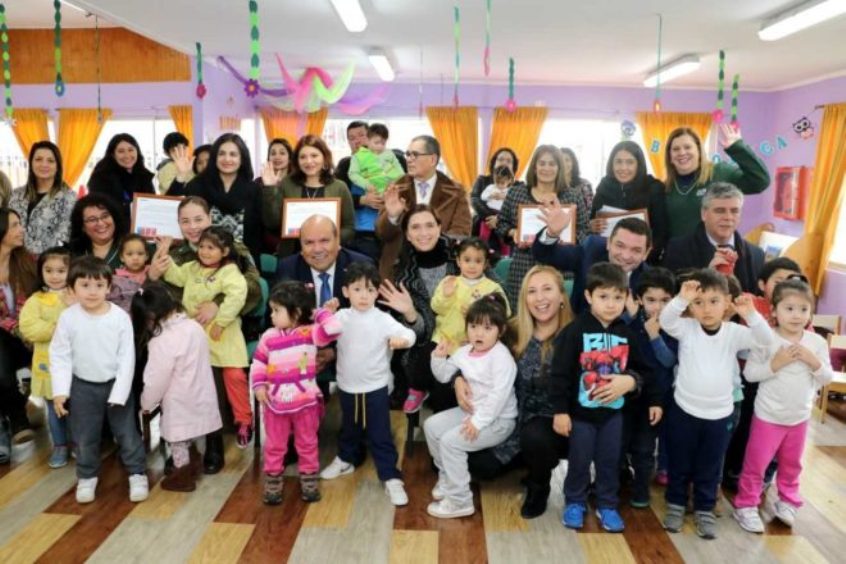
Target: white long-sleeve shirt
(94, 348)
(708, 363)
(490, 376)
(786, 397)
(364, 358)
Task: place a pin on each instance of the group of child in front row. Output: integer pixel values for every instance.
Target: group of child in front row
(613, 378)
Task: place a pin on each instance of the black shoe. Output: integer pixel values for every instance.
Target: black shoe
(213, 459)
(534, 505)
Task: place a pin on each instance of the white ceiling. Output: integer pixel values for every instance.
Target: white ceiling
(608, 42)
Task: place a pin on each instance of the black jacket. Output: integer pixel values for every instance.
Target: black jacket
(121, 185)
(295, 267)
(696, 251)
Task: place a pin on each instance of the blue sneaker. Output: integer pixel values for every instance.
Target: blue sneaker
(574, 516)
(610, 520)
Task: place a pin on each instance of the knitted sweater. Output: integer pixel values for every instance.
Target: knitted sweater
(286, 362)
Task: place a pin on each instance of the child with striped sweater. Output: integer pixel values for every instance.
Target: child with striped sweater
(284, 377)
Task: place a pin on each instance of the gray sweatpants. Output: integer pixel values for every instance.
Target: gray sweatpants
(449, 449)
(88, 407)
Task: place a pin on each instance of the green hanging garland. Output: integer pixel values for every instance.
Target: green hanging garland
(7, 72)
(252, 85)
(57, 51)
(201, 88)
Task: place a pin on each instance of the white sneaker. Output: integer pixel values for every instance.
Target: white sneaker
(85, 490)
(396, 491)
(785, 512)
(336, 469)
(139, 487)
(438, 491)
(445, 509)
(749, 519)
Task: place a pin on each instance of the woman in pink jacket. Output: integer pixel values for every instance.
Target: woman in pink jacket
(178, 376)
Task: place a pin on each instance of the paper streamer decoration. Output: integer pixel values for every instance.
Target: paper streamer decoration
(201, 88)
(735, 90)
(486, 57)
(717, 114)
(57, 48)
(7, 72)
(252, 85)
(273, 92)
(456, 31)
(511, 103)
(656, 105)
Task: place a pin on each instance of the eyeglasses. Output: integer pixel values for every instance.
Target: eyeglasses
(415, 154)
(97, 219)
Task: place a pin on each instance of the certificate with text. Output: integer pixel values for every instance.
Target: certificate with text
(296, 210)
(156, 216)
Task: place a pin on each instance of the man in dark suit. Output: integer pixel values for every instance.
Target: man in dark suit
(716, 243)
(627, 247)
(422, 185)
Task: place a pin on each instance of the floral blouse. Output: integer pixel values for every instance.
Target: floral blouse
(49, 223)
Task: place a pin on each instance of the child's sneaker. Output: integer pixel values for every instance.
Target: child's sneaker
(396, 491)
(446, 509)
(749, 519)
(244, 435)
(336, 469)
(59, 457)
(674, 518)
(414, 401)
(273, 489)
(309, 491)
(574, 516)
(610, 520)
(706, 524)
(139, 487)
(785, 512)
(85, 490)
(662, 478)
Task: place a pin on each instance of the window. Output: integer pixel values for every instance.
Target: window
(838, 250)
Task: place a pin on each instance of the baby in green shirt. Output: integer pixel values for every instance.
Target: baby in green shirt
(373, 167)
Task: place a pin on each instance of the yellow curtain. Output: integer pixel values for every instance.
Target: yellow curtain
(183, 118)
(279, 124)
(315, 122)
(519, 130)
(29, 127)
(827, 185)
(457, 129)
(78, 133)
(657, 126)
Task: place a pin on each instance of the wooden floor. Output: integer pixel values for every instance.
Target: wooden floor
(225, 521)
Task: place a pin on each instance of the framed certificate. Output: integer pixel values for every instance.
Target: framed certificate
(613, 217)
(296, 210)
(529, 222)
(156, 216)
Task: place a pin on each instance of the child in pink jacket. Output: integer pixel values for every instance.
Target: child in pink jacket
(178, 376)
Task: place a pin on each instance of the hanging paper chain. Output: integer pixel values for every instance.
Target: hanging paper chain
(735, 88)
(97, 58)
(57, 45)
(201, 88)
(487, 55)
(252, 86)
(511, 103)
(457, 33)
(722, 80)
(656, 106)
(7, 73)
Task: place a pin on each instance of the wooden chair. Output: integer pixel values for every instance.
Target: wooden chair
(837, 350)
(830, 323)
(754, 236)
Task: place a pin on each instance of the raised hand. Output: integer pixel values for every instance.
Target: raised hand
(184, 163)
(729, 135)
(690, 290)
(555, 217)
(268, 176)
(598, 225)
(743, 306)
(394, 205)
(398, 299)
(450, 285)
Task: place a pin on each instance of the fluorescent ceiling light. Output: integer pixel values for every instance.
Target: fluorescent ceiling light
(380, 62)
(351, 14)
(800, 17)
(672, 70)
(74, 6)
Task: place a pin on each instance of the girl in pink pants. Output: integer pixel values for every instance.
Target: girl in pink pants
(790, 371)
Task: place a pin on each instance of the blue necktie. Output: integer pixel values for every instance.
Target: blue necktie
(325, 289)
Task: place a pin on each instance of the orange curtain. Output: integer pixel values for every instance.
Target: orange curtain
(78, 133)
(657, 126)
(315, 122)
(827, 186)
(183, 118)
(29, 127)
(519, 130)
(279, 124)
(457, 129)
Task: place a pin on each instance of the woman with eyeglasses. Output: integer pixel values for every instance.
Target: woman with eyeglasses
(45, 203)
(121, 174)
(97, 226)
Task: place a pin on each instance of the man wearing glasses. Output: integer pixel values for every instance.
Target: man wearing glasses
(422, 185)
